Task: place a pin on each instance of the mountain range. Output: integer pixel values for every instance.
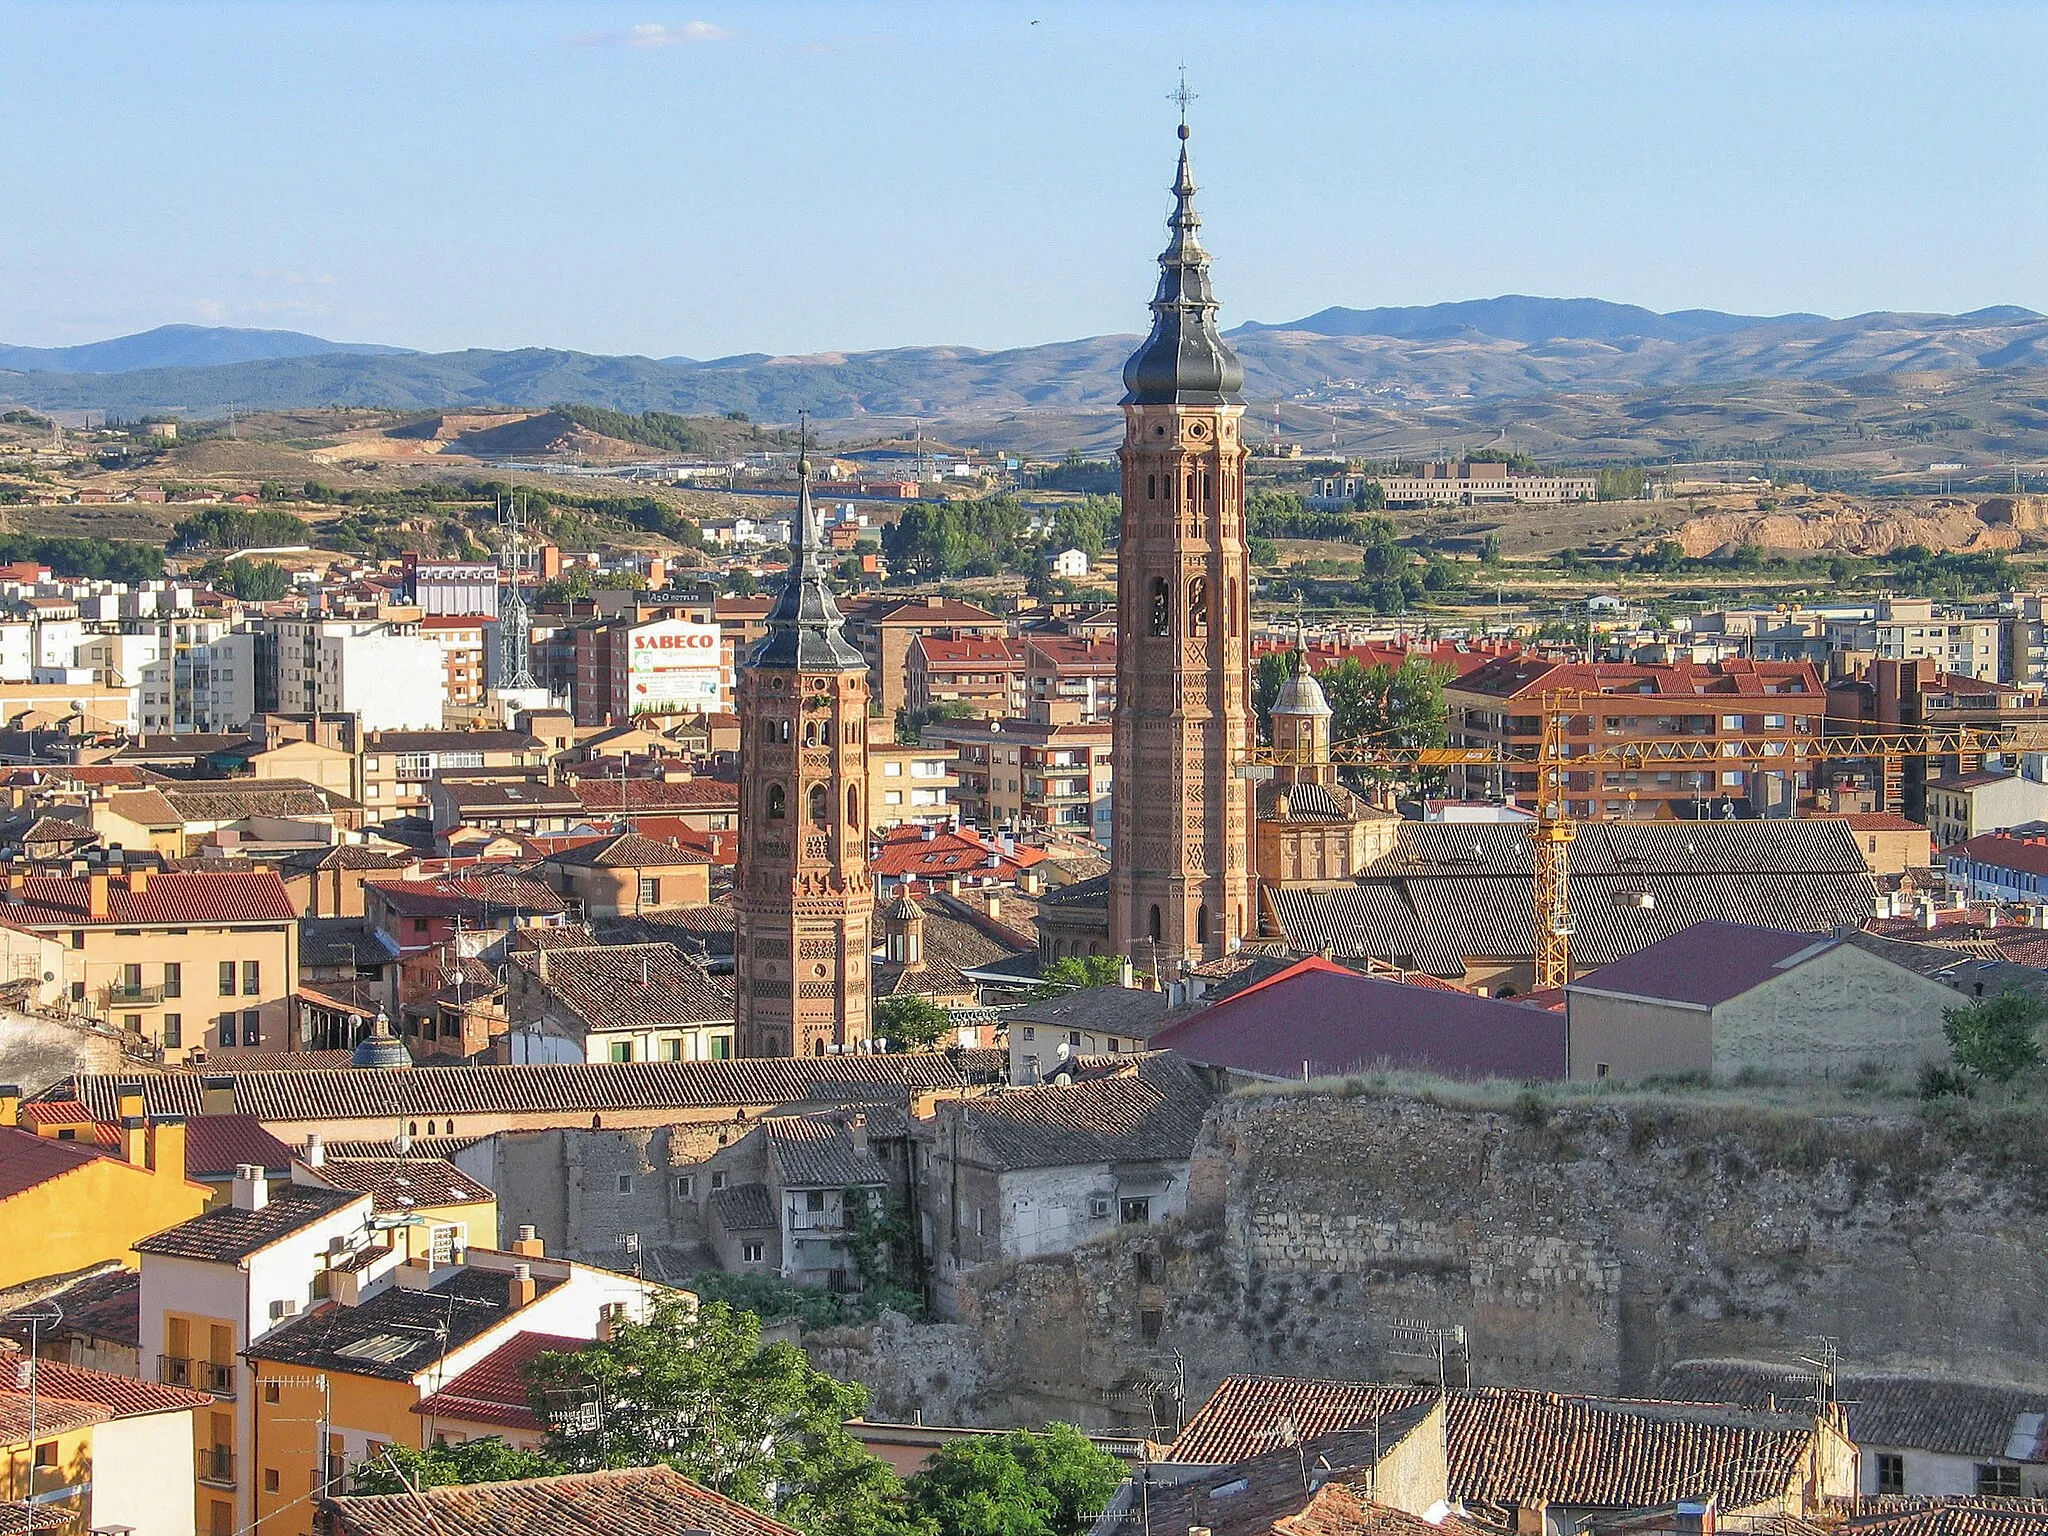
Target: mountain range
(1491, 349)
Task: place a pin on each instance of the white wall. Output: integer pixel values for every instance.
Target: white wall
(142, 1473)
(394, 682)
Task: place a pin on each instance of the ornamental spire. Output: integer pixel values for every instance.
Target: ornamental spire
(805, 628)
(1185, 361)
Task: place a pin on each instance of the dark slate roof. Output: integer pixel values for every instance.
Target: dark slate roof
(1133, 1012)
(1092, 892)
(393, 1333)
(1314, 802)
(744, 1208)
(951, 947)
(1185, 361)
(1939, 1415)
(1317, 1019)
(1151, 1113)
(1705, 964)
(226, 1234)
(814, 1152)
(805, 628)
(1451, 890)
(326, 941)
(399, 1184)
(622, 1503)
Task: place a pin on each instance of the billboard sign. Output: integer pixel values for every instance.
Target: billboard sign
(672, 667)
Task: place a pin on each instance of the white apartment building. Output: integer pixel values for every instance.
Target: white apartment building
(389, 674)
(1916, 628)
(17, 650)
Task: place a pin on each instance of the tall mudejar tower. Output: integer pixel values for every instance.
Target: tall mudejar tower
(803, 907)
(1180, 862)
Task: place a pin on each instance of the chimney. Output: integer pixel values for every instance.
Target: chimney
(167, 1143)
(217, 1096)
(523, 1288)
(316, 1150)
(96, 897)
(138, 881)
(528, 1244)
(24, 1367)
(135, 1140)
(251, 1190)
(995, 907)
(1127, 975)
(1694, 1518)
(857, 1132)
(128, 1098)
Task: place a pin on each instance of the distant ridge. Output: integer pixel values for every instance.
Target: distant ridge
(1518, 317)
(180, 346)
(1502, 349)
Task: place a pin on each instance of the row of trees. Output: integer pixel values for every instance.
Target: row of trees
(994, 535)
(88, 559)
(697, 1389)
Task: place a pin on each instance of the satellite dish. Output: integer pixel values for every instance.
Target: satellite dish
(1066, 1050)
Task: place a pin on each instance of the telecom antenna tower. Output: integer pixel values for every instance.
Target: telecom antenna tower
(515, 627)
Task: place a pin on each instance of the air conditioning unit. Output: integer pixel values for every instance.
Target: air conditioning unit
(1098, 1206)
(282, 1308)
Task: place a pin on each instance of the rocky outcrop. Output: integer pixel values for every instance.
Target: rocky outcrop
(1864, 529)
(1581, 1248)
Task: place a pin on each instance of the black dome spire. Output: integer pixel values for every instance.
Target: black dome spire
(805, 627)
(1185, 361)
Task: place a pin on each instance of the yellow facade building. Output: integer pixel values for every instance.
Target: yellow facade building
(66, 1205)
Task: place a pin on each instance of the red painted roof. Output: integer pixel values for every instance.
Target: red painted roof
(1318, 1019)
(493, 1391)
(1706, 963)
(27, 1160)
(176, 898)
(1881, 821)
(658, 794)
(1528, 676)
(970, 650)
(907, 854)
(2001, 850)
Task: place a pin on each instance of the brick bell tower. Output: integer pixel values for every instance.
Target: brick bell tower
(802, 905)
(1180, 862)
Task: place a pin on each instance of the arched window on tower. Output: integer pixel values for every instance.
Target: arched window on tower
(1156, 927)
(1202, 925)
(1159, 620)
(810, 733)
(1230, 615)
(778, 803)
(1151, 487)
(821, 806)
(853, 808)
(1198, 606)
(1208, 490)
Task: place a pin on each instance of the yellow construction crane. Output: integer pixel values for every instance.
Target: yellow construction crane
(1557, 756)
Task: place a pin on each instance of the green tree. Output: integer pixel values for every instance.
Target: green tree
(1017, 1484)
(742, 582)
(1265, 554)
(1619, 484)
(1370, 498)
(441, 1465)
(911, 1023)
(255, 581)
(699, 1391)
(1489, 549)
(1999, 1038)
(1071, 972)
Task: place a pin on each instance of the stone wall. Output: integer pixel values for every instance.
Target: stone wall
(1583, 1248)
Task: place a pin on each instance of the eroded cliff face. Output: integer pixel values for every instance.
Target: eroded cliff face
(1838, 526)
(1583, 1248)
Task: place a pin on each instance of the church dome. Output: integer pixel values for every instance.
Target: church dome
(380, 1048)
(1301, 694)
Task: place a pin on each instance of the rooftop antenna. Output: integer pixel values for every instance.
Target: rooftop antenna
(515, 626)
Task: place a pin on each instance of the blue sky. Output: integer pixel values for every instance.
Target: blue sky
(709, 178)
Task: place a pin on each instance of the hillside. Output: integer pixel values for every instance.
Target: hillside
(177, 346)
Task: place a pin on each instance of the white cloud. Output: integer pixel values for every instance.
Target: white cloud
(654, 34)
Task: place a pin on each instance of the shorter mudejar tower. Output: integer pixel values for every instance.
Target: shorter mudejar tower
(803, 907)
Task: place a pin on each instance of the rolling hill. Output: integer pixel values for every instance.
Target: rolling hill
(178, 346)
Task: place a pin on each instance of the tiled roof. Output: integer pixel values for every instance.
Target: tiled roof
(981, 651)
(922, 610)
(325, 941)
(398, 1184)
(744, 1208)
(239, 799)
(1902, 1515)
(1151, 1113)
(27, 1160)
(397, 1332)
(631, 986)
(383, 1094)
(814, 1152)
(493, 1391)
(626, 850)
(122, 1396)
(450, 896)
(951, 948)
(451, 741)
(470, 795)
(1999, 850)
(1133, 1012)
(1705, 964)
(236, 1060)
(657, 794)
(219, 1144)
(1939, 1415)
(196, 897)
(1506, 1445)
(1319, 1019)
(1881, 821)
(50, 1415)
(907, 854)
(227, 1234)
(106, 1305)
(1515, 677)
(624, 1503)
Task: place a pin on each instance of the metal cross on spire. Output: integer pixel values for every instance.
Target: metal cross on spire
(1180, 96)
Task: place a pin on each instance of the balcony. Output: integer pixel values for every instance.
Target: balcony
(114, 994)
(199, 1375)
(214, 1465)
(817, 1223)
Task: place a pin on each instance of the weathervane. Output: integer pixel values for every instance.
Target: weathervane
(1180, 96)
